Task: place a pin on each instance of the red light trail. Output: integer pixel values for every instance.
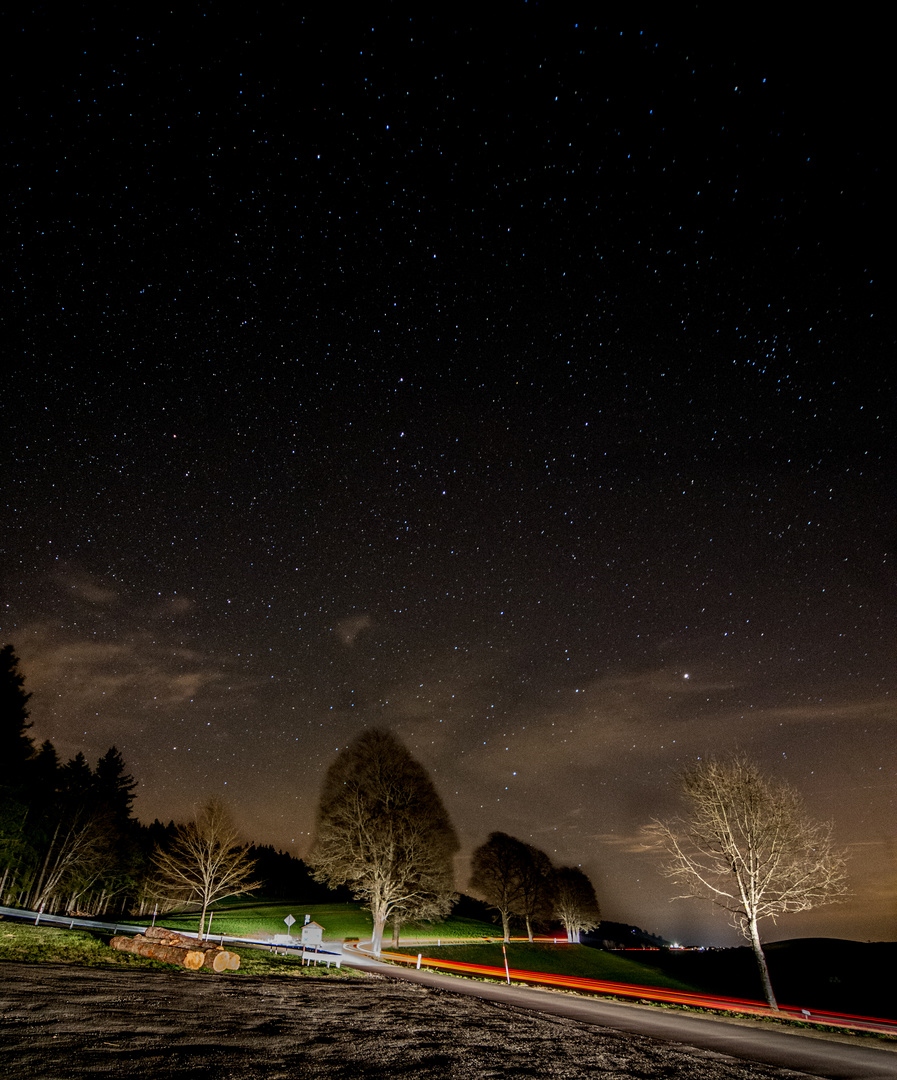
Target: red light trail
(647, 993)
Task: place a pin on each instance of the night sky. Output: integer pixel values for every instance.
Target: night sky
(523, 386)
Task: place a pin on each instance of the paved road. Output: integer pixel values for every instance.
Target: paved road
(787, 1049)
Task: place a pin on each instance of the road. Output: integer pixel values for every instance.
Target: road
(823, 1056)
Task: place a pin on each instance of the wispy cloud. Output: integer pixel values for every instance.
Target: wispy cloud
(348, 629)
(134, 673)
(636, 843)
(87, 588)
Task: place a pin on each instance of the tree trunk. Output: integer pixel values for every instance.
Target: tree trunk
(396, 929)
(379, 924)
(170, 937)
(193, 959)
(505, 927)
(761, 964)
(35, 896)
(529, 929)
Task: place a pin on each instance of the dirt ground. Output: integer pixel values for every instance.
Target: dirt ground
(67, 1022)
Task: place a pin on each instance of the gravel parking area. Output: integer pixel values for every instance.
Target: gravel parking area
(80, 1022)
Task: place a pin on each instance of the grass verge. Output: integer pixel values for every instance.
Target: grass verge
(55, 945)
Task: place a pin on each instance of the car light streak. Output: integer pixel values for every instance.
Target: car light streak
(646, 993)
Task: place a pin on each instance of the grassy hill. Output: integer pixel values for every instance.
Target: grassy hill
(576, 960)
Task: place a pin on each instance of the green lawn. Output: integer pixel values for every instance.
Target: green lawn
(340, 921)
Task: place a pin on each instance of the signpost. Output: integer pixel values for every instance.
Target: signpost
(289, 920)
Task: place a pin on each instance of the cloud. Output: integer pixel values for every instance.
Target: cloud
(865, 711)
(177, 605)
(636, 843)
(87, 674)
(348, 629)
(88, 589)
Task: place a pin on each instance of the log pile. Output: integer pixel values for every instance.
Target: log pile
(170, 947)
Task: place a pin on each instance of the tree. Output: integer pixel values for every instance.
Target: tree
(383, 831)
(69, 830)
(15, 746)
(536, 888)
(575, 903)
(747, 846)
(514, 878)
(204, 862)
(114, 787)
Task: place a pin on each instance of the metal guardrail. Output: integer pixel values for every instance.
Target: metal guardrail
(69, 921)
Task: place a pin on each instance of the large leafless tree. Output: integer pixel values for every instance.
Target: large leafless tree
(204, 862)
(575, 903)
(383, 831)
(747, 845)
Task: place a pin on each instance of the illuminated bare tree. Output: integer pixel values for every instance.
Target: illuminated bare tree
(383, 831)
(575, 903)
(78, 854)
(205, 862)
(747, 846)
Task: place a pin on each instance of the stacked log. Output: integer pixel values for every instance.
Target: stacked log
(217, 958)
(170, 947)
(193, 959)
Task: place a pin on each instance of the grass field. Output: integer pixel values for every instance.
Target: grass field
(340, 922)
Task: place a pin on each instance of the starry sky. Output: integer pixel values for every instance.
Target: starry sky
(521, 385)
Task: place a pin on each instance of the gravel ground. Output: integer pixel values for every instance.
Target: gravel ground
(66, 1022)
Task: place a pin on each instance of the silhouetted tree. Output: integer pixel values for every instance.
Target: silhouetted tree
(537, 888)
(75, 835)
(747, 846)
(15, 746)
(575, 903)
(383, 831)
(113, 786)
(284, 876)
(514, 878)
